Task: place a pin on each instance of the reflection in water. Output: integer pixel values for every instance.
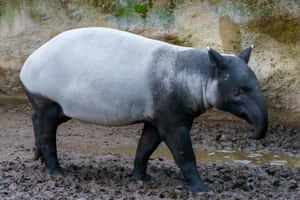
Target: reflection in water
(260, 158)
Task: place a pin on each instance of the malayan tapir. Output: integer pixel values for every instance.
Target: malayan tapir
(114, 78)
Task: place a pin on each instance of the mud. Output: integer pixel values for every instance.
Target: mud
(204, 157)
(98, 166)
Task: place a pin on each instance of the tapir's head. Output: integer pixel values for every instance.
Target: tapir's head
(235, 89)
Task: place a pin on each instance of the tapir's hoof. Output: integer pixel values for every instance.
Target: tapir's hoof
(198, 189)
(55, 172)
(140, 183)
(145, 180)
(141, 178)
(204, 194)
(37, 154)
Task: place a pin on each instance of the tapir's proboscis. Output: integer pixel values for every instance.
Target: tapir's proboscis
(115, 78)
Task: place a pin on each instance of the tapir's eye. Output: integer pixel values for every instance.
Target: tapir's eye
(238, 92)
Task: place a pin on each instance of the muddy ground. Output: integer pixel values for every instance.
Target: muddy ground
(91, 173)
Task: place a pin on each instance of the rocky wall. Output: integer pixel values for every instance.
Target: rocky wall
(229, 26)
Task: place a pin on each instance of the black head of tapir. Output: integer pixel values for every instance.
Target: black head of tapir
(237, 90)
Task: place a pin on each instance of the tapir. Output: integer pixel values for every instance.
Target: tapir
(113, 78)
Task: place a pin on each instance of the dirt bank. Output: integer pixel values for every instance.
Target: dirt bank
(225, 25)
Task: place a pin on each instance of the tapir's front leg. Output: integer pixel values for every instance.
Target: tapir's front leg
(177, 138)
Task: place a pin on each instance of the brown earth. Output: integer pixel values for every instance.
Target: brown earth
(91, 173)
(225, 25)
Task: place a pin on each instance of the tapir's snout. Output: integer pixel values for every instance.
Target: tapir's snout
(256, 114)
(261, 123)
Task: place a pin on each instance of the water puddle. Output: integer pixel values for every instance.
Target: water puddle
(259, 158)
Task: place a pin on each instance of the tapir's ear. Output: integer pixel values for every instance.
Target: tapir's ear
(215, 58)
(245, 55)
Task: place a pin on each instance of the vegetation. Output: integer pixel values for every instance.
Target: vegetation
(140, 10)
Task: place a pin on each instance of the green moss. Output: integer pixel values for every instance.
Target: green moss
(120, 12)
(96, 3)
(7, 11)
(116, 8)
(34, 8)
(150, 4)
(130, 10)
(141, 9)
(255, 8)
(1, 8)
(165, 16)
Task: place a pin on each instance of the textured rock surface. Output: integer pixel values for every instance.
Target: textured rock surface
(228, 26)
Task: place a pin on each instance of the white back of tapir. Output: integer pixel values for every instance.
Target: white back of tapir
(98, 75)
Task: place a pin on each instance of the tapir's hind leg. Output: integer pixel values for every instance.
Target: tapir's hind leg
(148, 142)
(37, 149)
(47, 123)
(46, 117)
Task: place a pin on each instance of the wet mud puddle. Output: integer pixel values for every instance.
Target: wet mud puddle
(258, 158)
